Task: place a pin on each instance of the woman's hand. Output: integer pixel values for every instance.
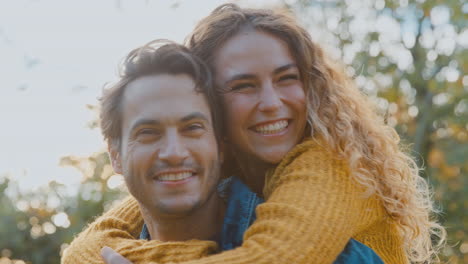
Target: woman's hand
(111, 257)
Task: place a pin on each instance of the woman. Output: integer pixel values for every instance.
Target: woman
(306, 139)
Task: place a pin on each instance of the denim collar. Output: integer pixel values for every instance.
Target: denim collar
(239, 215)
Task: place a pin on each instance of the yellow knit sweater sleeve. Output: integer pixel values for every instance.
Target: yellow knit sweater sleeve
(312, 209)
(119, 229)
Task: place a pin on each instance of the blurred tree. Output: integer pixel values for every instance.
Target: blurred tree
(411, 57)
(37, 226)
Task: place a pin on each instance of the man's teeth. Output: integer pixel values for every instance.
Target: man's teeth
(174, 176)
(272, 128)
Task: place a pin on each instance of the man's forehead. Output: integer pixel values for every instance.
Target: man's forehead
(164, 97)
(161, 85)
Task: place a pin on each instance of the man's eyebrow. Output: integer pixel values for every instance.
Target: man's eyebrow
(145, 122)
(194, 115)
(284, 68)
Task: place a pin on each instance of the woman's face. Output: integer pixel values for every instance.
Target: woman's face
(263, 95)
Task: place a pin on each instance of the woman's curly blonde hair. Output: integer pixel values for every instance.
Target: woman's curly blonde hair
(345, 118)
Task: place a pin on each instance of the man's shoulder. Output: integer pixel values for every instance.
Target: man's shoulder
(356, 252)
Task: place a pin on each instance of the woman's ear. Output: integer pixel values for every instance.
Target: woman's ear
(114, 153)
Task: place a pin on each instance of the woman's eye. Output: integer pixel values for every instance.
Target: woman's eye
(289, 77)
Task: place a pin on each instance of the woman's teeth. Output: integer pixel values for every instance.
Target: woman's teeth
(174, 176)
(271, 128)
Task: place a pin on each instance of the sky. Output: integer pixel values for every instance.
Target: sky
(55, 57)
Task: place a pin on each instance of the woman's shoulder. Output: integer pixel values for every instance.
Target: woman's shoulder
(308, 153)
(310, 161)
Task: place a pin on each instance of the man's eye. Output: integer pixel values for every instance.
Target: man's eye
(194, 130)
(147, 132)
(241, 86)
(147, 135)
(193, 127)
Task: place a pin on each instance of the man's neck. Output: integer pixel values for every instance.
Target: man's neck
(203, 223)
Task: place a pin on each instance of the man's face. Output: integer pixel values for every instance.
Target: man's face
(168, 154)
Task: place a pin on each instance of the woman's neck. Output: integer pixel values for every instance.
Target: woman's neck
(253, 171)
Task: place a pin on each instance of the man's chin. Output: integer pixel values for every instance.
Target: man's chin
(177, 208)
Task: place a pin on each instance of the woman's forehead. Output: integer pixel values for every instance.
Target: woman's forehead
(252, 50)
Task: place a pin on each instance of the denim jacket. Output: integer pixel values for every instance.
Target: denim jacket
(240, 214)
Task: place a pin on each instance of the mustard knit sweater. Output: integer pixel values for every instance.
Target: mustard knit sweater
(312, 209)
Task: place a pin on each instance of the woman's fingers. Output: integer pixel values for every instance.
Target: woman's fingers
(112, 257)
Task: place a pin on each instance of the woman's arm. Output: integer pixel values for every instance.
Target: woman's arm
(119, 229)
(313, 208)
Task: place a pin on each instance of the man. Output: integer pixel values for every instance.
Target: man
(169, 159)
(161, 123)
(161, 137)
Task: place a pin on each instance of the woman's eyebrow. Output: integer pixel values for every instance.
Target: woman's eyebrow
(246, 76)
(284, 68)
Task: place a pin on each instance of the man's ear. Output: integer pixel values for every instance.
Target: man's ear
(114, 153)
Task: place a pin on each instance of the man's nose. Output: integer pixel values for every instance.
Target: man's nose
(270, 100)
(174, 151)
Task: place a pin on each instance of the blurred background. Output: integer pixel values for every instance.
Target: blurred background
(409, 56)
